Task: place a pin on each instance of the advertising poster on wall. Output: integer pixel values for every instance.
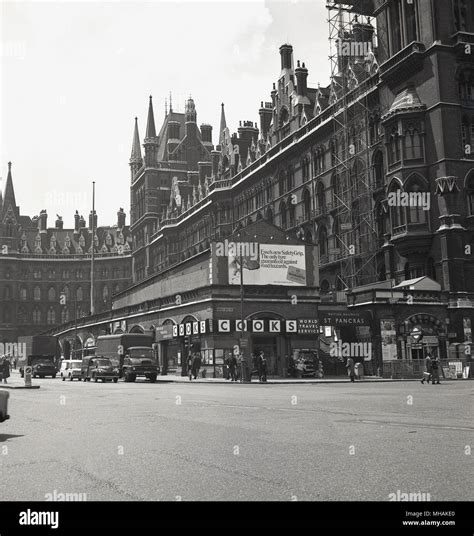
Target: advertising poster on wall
(389, 339)
(267, 264)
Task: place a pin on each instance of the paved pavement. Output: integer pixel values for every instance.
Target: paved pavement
(220, 441)
(15, 381)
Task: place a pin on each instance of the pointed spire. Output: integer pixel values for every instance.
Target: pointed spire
(171, 103)
(9, 196)
(223, 126)
(150, 126)
(166, 106)
(136, 156)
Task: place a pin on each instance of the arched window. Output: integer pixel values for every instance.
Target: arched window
(336, 190)
(320, 197)
(418, 203)
(283, 216)
(65, 292)
(324, 288)
(284, 116)
(466, 85)
(290, 178)
(51, 316)
(334, 151)
(7, 292)
(291, 213)
(281, 184)
(394, 146)
(269, 215)
(397, 212)
(323, 241)
(37, 294)
(306, 205)
(7, 314)
(64, 315)
(413, 143)
(463, 20)
(336, 230)
(379, 172)
(51, 294)
(22, 318)
(23, 294)
(79, 294)
(37, 316)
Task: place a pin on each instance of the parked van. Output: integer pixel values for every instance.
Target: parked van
(71, 369)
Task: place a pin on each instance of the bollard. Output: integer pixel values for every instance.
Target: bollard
(27, 376)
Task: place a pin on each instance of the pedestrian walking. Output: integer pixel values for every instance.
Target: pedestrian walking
(259, 366)
(5, 370)
(254, 365)
(263, 367)
(435, 371)
(350, 368)
(196, 365)
(233, 368)
(291, 366)
(190, 367)
(14, 364)
(428, 368)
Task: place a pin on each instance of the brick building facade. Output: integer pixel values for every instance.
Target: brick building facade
(322, 167)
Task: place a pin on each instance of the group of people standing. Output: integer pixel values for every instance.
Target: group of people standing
(235, 366)
(432, 366)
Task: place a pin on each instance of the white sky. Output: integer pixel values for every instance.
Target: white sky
(75, 74)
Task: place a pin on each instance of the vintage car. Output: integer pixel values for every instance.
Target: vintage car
(98, 368)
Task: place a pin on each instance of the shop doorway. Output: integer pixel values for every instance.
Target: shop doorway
(269, 347)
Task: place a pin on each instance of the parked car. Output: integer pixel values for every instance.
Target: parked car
(71, 369)
(98, 368)
(4, 405)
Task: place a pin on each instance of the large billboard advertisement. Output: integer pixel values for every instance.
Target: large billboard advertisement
(266, 264)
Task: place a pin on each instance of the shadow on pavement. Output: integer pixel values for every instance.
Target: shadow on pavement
(6, 437)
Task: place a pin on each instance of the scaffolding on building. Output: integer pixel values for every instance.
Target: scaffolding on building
(352, 42)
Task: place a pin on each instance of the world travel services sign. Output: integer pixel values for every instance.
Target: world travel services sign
(343, 318)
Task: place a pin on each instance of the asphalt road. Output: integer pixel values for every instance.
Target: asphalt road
(194, 441)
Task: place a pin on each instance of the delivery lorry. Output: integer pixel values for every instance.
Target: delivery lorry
(41, 352)
(131, 353)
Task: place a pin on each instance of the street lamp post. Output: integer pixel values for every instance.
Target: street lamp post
(92, 307)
